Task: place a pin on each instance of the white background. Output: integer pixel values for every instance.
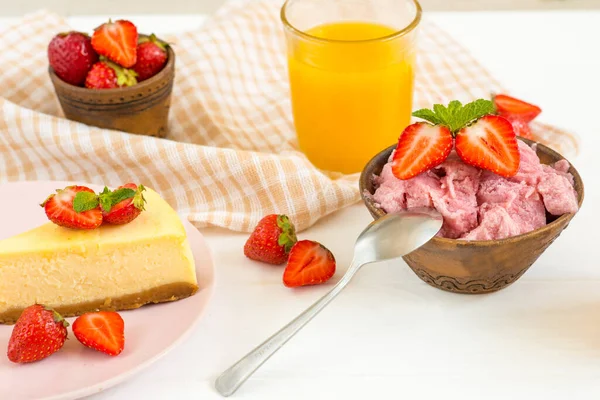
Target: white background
(389, 335)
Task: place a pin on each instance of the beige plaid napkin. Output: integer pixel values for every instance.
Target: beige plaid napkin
(231, 155)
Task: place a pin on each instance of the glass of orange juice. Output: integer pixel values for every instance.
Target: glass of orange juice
(351, 66)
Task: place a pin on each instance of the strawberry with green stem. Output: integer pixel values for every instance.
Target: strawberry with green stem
(106, 74)
(151, 57)
(123, 205)
(38, 333)
(271, 240)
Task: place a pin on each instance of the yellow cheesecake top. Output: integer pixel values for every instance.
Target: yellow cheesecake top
(158, 219)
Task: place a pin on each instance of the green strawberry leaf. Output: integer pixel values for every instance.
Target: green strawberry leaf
(57, 317)
(125, 77)
(287, 237)
(152, 38)
(138, 199)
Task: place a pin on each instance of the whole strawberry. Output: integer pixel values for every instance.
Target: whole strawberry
(71, 56)
(271, 240)
(38, 333)
(151, 57)
(122, 205)
(108, 75)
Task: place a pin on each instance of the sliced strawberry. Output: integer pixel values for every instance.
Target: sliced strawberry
(125, 211)
(309, 263)
(490, 143)
(59, 209)
(117, 41)
(421, 147)
(103, 331)
(512, 108)
(522, 129)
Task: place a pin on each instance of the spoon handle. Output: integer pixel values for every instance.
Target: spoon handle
(232, 378)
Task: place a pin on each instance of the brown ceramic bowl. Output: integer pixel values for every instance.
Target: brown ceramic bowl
(142, 108)
(486, 266)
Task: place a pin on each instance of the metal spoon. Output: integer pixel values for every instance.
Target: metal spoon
(389, 237)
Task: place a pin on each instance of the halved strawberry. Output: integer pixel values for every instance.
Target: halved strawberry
(490, 143)
(421, 147)
(309, 263)
(512, 108)
(59, 209)
(117, 41)
(103, 331)
(123, 211)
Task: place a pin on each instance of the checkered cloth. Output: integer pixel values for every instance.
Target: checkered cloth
(231, 154)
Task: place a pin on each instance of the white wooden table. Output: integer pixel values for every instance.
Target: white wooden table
(389, 335)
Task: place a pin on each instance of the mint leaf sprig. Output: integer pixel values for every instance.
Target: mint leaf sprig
(107, 199)
(456, 116)
(85, 201)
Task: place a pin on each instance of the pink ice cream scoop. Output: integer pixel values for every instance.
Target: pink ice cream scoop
(480, 205)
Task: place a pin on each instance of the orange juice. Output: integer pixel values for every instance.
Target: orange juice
(351, 93)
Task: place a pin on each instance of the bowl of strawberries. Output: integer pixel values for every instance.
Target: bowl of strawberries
(115, 79)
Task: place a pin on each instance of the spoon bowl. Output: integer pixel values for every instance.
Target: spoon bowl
(396, 234)
(389, 237)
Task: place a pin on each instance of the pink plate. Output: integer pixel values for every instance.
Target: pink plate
(76, 371)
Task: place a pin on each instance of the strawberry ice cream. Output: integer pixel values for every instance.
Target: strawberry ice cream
(478, 204)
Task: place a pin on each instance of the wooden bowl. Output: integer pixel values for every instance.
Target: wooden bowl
(474, 267)
(142, 108)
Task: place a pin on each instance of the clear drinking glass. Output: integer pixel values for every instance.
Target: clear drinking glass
(351, 67)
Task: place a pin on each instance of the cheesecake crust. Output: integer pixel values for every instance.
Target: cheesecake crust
(161, 294)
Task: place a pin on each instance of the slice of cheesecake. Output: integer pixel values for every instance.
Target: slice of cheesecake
(118, 267)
